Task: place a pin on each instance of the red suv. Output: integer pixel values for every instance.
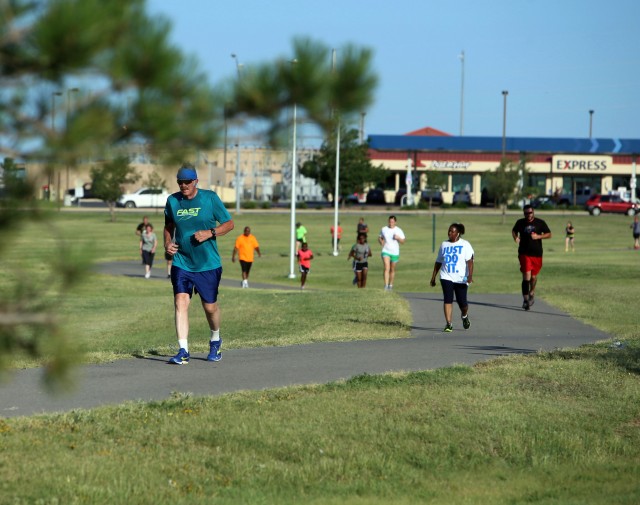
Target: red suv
(610, 203)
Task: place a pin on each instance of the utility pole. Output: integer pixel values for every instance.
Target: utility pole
(504, 123)
(462, 95)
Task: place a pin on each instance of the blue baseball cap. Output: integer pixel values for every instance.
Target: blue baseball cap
(186, 173)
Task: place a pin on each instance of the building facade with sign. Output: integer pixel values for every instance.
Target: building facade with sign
(553, 166)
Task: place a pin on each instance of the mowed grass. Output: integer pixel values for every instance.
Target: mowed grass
(552, 428)
(119, 316)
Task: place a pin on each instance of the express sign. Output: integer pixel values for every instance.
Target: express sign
(564, 163)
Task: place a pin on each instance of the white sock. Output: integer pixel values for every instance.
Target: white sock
(183, 343)
(215, 335)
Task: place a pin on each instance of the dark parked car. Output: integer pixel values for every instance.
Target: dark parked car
(87, 193)
(434, 195)
(543, 202)
(610, 203)
(376, 197)
(353, 199)
(462, 197)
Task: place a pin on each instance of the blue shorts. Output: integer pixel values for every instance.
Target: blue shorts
(205, 283)
(460, 289)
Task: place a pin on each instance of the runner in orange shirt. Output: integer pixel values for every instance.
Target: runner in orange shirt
(245, 245)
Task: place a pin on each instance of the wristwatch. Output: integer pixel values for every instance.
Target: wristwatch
(213, 233)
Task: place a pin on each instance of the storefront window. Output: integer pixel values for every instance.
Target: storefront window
(580, 183)
(621, 182)
(462, 182)
(536, 183)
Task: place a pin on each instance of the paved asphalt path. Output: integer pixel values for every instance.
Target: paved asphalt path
(499, 327)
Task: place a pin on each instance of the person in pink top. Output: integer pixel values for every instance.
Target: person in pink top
(305, 255)
(333, 235)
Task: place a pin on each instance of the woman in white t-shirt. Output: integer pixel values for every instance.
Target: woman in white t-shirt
(390, 238)
(455, 264)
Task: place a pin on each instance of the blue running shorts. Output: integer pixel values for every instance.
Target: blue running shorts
(205, 283)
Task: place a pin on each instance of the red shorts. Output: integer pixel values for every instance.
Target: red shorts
(531, 264)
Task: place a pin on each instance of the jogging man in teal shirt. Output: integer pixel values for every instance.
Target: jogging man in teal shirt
(194, 218)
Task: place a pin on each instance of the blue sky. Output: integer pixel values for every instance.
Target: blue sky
(557, 58)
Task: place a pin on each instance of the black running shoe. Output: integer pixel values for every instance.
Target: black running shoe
(525, 305)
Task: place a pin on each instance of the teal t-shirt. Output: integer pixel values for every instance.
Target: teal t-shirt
(202, 212)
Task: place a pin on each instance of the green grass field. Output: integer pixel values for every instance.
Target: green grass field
(554, 428)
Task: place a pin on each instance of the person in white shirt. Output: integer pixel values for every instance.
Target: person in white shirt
(390, 238)
(455, 264)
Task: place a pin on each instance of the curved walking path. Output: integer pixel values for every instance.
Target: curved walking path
(499, 327)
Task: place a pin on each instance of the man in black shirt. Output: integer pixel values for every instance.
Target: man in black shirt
(528, 233)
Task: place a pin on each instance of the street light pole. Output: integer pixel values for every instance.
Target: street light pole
(292, 274)
(69, 91)
(226, 141)
(590, 122)
(294, 162)
(462, 95)
(238, 189)
(54, 94)
(336, 194)
(504, 123)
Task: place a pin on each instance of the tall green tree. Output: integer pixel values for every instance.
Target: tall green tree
(356, 170)
(109, 179)
(129, 83)
(319, 88)
(502, 183)
(155, 181)
(435, 180)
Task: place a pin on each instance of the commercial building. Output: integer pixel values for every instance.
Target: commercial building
(553, 165)
(262, 173)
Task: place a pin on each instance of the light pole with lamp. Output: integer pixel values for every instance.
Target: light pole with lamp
(504, 123)
(54, 94)
(462, 95)
(590, 122)
(226, 141)
(238, 188)
(336, 194)
(69, 91)
(294, 162)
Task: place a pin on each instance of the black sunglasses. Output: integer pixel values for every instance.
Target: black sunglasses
(528, 213)
(186, 182)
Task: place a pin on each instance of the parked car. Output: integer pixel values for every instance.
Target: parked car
(610, 203)
(543, 202)
(402, 199)
(144, 197)
(87, 192)
(462, 197)
(353, 199)
(582, 195)
(433, 195)
(376, 197)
